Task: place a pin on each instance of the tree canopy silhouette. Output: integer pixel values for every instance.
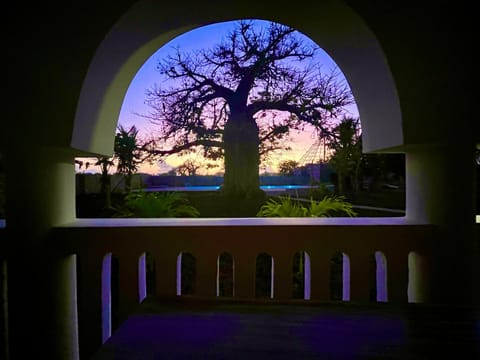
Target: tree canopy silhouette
(239, 99)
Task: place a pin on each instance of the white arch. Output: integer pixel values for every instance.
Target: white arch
(147, 26)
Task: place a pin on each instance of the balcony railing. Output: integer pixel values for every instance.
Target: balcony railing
(385, 256)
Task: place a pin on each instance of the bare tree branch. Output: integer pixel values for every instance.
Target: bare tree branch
(210, 98)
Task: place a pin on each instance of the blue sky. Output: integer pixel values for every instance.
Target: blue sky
(195, 39)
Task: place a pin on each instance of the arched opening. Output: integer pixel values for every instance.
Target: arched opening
(225, 275)
(119, 58)
(417, 275)
(110, 295)
(336, 276)
(186, 274)
(304, 173)
(146, 276)
(301, 275)
(340, 277)
(264, 276)
(378, 276)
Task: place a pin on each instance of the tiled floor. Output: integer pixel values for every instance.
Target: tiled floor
(205, 329)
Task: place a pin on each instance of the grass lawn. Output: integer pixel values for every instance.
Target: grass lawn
(389, 199)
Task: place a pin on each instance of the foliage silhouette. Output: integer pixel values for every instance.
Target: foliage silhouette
(241, 98)
(285, 206)
(143, 204)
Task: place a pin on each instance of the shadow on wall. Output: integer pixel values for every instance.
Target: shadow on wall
(2, 187)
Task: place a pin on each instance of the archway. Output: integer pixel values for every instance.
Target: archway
(264, 276)
(340, 277)
(225, 275)
(301, 275)
(186, 273)
(378, 277)
(146, 276)
(354, 48)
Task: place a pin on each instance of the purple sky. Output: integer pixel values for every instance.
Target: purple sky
(147, 76)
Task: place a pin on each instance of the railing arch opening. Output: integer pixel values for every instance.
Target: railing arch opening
(264, 276)
(417, 278)
(225, 275)
(186, 274)
(336, 276)
(110, 295)
(378, 273)
(301, 275)
(146, 276)
(340, 277)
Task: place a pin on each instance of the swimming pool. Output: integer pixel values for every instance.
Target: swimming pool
(217, 187)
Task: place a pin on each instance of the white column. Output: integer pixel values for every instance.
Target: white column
(441, 190)
(40, 194)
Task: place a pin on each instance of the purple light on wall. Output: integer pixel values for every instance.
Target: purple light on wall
(272, 278)
(142, 277)
(307, 277)
(167, 336)
(381, 277)
(217, 292)
(295, 335)
(343, 336)
(106, 297)
(345, 277)
(179, 274)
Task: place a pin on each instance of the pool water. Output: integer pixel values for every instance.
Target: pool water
(217, 187)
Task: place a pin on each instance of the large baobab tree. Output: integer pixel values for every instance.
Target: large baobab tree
(240, 98)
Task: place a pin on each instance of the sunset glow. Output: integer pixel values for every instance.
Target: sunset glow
(134, 109)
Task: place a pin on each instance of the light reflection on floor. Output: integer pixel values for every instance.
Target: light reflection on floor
(289, 332)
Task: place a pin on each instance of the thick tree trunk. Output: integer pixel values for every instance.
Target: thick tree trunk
(105, 189)
(242, 159)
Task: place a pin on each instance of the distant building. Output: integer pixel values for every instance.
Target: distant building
(319, 172)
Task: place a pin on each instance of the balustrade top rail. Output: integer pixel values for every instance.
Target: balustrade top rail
(187, 222)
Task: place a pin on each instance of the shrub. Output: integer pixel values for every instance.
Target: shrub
(331, 206)
(284, 206)
(319, 192)
(143, 204)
